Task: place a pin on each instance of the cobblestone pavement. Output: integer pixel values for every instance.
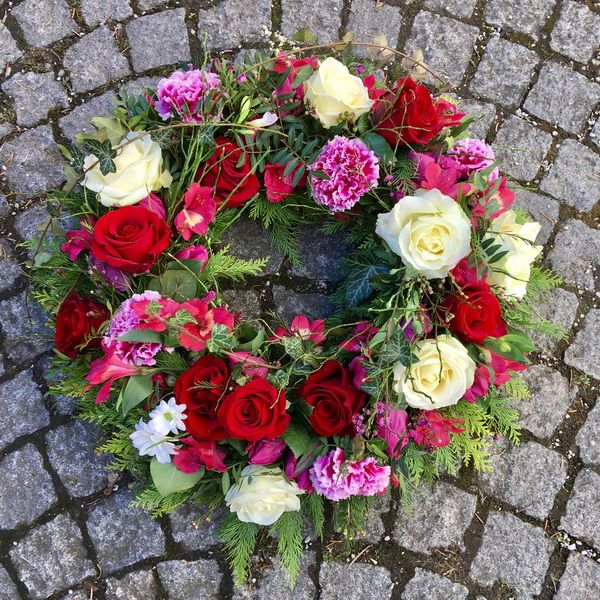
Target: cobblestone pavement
(530, 68)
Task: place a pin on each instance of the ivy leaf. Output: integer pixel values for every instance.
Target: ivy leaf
(77, 159)
(136, 390)
(168, 479)
(104, 152)
(220, 339)
(358, 284)
(298, 439)
(397, 348)
(381, 148)
(293, 346)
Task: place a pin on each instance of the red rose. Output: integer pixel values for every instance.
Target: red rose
(201, 388)
(407, 115)
(130, 238)
(77, 321)
(278, 185)
(254, 411)
(232, 183)
(334, 399)
(477, 315)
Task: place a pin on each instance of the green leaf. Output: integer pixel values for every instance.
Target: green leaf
(358, 285)
(225, 482)
(381, 148)
(178, 285)
(303, 74)
(250, 339)
(137, 389)
(142, 335)
(104, 152)
(304, 34)
(168, 479)
(297, 438)
(396, 348)
(293, 346)
(220, 339)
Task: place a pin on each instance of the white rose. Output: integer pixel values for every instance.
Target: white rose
(262, 495)
(429, 231)
(513, 270)
(139, 172)
(332, 91)
(442, 374)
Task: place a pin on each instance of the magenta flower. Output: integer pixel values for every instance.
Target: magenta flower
(361, 336)
(107, 370)
(265, 451)
(153, 203)
(198, 211)
(197, 252)
(301, 477)
(392, 426)
(352, 169)
(304, 328)
(473, 155)
(252, 366)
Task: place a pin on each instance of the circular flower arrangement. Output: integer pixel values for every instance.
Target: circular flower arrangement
(415, 373)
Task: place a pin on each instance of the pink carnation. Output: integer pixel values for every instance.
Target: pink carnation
(352, 168)
(473, 155)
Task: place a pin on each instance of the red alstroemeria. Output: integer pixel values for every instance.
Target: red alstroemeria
(374, 92)
(194, 336)
(198, 211)
(448, 113)
(304, 328)
(78, 240)
(107, 370)
(281, 65)
(197, 252)
(151, 320)
(199, 454)
(492, 206)
(433, 430)
(278, 185)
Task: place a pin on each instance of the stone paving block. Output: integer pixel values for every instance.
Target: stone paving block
(79, 119)
(288, 304)
(580, 519)
(138, 86)
(191, 579)
(137, 585)
(366, 21)
(33, 95)
(434, 34)
(485, 113)
(588, 438)
(580, 581)
(542, 208)
(20, 396)
(95, 12)
(562, 97)
(527, 477)
(229, 24)
(26, 489)
(44, 21)
(72, 455)
(514, 553)
(8, 591)
(109, 63)
(573, 177)
(52, 557)
(135, 537)
(374, 527)
(340, 581)
(522, 16)
(159, 39)
(33, 162)
(520, 147)
(576, 254)
(439, 517)
(9, 50)
(504, 72)
(426, 585)
(5, 129)
(550, 399)
(582, 354)
(190, 527)
(244, 301)
(10, 269)
(595, 133)
(324, 22)
(464, 8)
(577, 32)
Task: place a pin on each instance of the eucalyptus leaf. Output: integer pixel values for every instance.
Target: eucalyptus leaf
(168, 479)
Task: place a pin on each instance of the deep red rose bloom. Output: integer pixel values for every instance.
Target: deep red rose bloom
(478, 315)
(407, 115)
(77, 322)
(232, 184)
(130, 238)
(254, 411)
(334, 399)
(201, 388)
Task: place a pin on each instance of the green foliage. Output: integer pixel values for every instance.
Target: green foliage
(222, 265)
(240, 540)
(314, 506)
(151, 500)
(290, 547)
(168, 479)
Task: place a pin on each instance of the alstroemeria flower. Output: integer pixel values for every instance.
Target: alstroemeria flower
(199, 454)
(252, 366)
(198, 212)
(107, 370)
(155, 204)
(194, 335)
(266, 120)
(304, 328)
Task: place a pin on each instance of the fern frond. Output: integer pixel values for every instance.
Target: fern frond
(290, 547)
(315, 509)
(222, 265)
(240, 540)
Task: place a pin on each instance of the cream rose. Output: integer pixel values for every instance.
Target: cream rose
(443, 372)
(139, 172)
(513, 270)
(333, 91)
(262, 495)
(429, 231)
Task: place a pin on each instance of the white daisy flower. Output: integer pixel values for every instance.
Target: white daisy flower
(168, 417)
(150, 442)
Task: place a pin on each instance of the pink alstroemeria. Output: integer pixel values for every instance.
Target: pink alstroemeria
(304, 328)
(198, 211)
(251, 365)
(194, 336)
(199, 454)
(198, 252)
(392, 426)
(78, 240)
(266, 120)
(361, 336)
(265, 451)
(433, 430)
(107, 370)
(481, 384)
(153, 203)
(301, 477)
(445, 177)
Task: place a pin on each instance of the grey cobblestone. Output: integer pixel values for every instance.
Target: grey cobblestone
(324, 22)
(588, 438)
(9, 50)
(44, 21)
(137, 585)
(244, 301)
(31, 222)
(367, 21)
(580, 519)
(542, 208)
(576, 33)
(78, 120)
(289, 304)
(8, 591)
(9, 267)
(374, 527)
(150, 4)
(357, 581)
(595, 133)
(98, 11)
(5, 129)
(582, 354)
(485, 113)
(460, 9)
(523, 16)
(426, 585)
(191, 579)
(580, 581)
(194, 527)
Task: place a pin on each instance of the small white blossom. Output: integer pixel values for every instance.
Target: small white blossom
(150, 442)
(168, 417)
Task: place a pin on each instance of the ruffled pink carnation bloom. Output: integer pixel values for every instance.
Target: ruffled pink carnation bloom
(352, 168)
(181, 94)
(473, 155)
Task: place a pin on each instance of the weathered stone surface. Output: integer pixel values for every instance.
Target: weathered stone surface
(9, 267)
(194, 527)
(158, 39)
(150, 4)
(137, 585)
(71, 453)
(358, 581)
(26, 489)
(439, 518)
(551, 396)
(523, 16)
(588, 438)
(229, 24)
(373, 525)
(109, 63)
(580, 518)
(504, 72)
(485, 113)
(426, 585)
(527, 476)
(289, 304)
(324, 22)
(9, 50)
(514, 553)
(8, 591)
(577, 31)
(582, 354)
(18, 397)
(576, 254)
(139, 85)
(562, 97)
(572, 177)
(367, 21)
(44, 21)
(31, 222)
(33, 162)
(580, 581)
(138, 536)
(191, 579)
(433, 34)
(95, 12)
(5, 129)
(520, 147)
(79, 119)
(244, 301)
(542, 208)
(52, 557)
(459, 9)
(595, 133)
